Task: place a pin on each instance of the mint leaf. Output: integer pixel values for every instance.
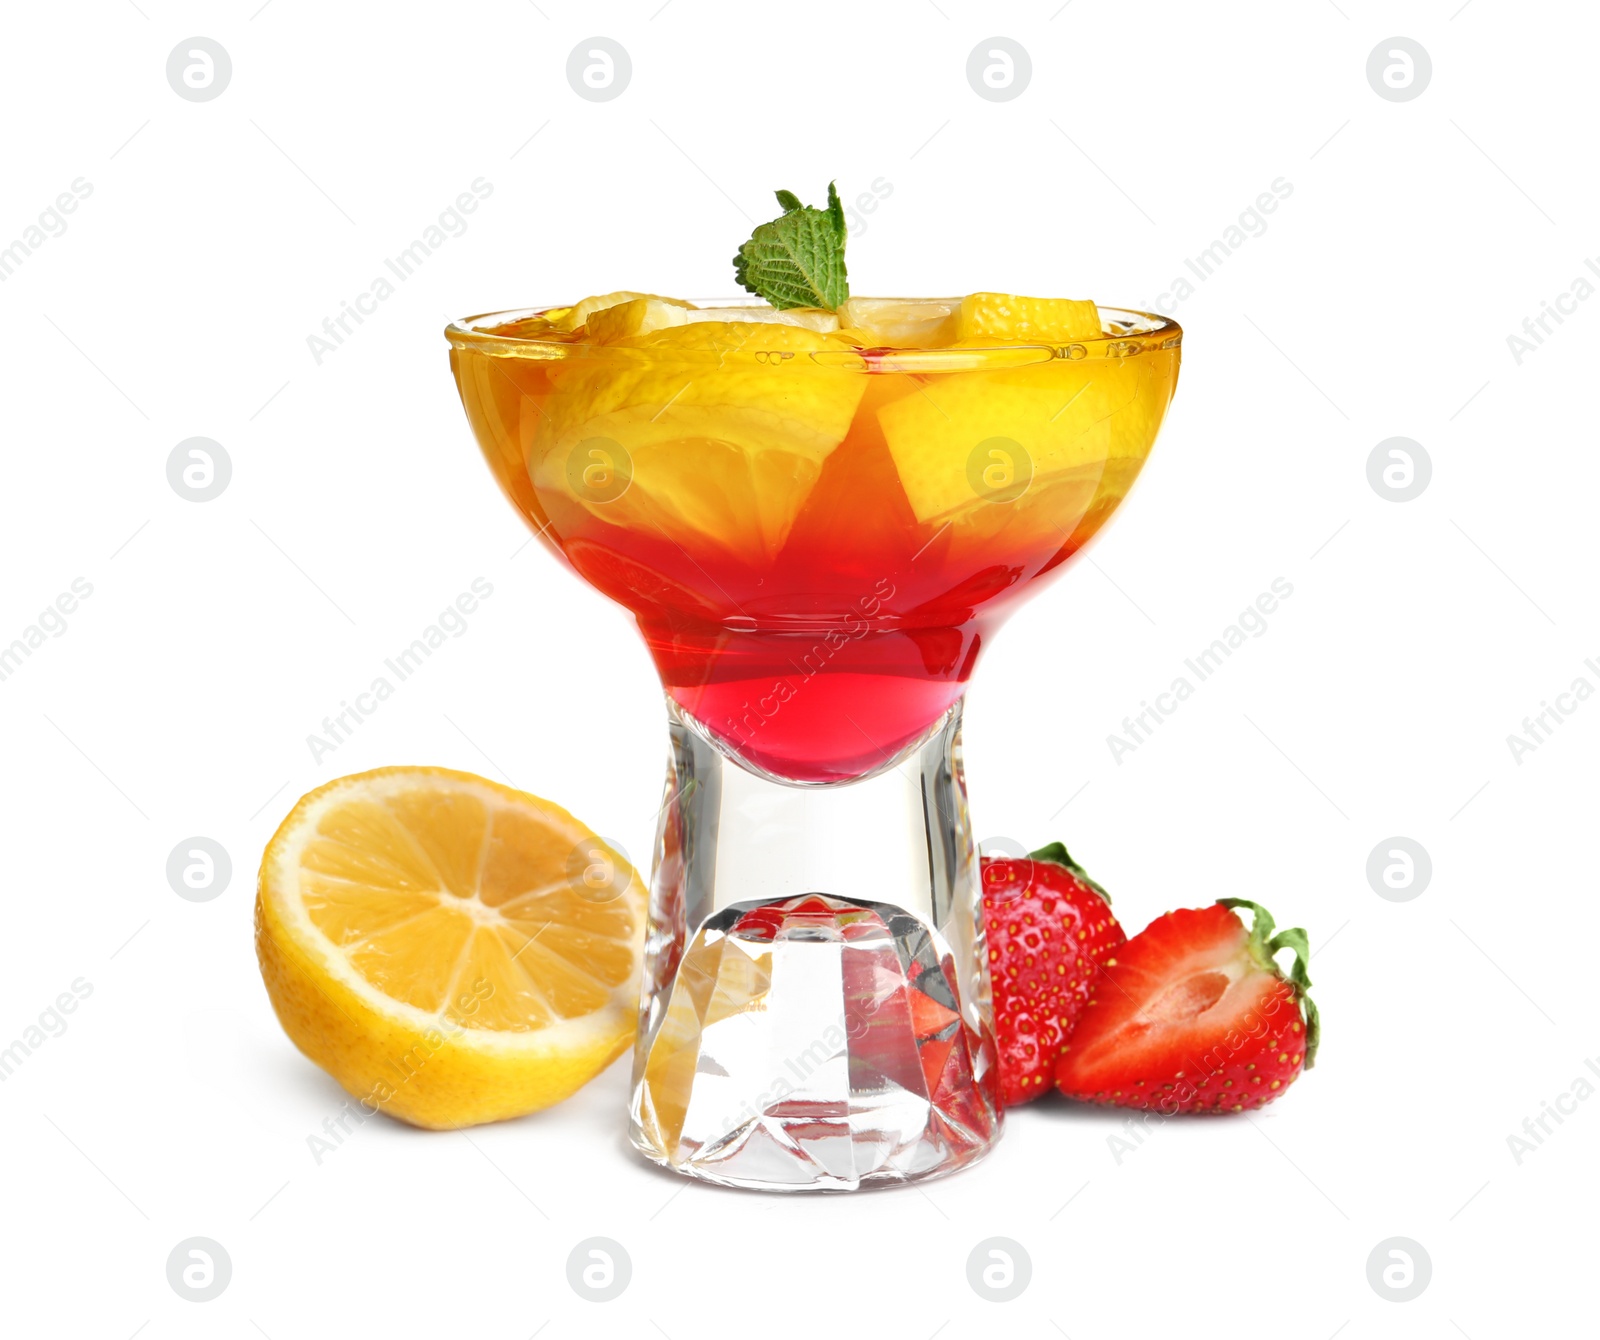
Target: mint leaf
(797, 260)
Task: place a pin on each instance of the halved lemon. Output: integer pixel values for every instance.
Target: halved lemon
(450, 950)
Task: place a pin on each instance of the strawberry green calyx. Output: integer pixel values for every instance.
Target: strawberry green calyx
(797, 260)
(1056, 853)
(1264, 947)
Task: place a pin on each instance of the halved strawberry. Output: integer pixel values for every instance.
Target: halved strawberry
(1049, 926)
(1194, 1015)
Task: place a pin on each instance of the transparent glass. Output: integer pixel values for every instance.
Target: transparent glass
(815, 1012)
(817, 539)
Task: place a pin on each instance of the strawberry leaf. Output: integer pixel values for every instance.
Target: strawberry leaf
(1057, 854)
(1265, 946)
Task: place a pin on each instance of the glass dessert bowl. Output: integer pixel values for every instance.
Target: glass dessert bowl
(818, 527)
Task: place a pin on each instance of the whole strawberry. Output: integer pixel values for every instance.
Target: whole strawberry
(1049, 928)
(1196, 1016)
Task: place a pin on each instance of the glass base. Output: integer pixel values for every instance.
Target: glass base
(815, 1013)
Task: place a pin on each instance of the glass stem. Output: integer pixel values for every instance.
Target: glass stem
(815, 1009)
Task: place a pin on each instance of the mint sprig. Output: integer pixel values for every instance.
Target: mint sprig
(797, 260)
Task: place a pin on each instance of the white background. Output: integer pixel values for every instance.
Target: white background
(217, 238)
